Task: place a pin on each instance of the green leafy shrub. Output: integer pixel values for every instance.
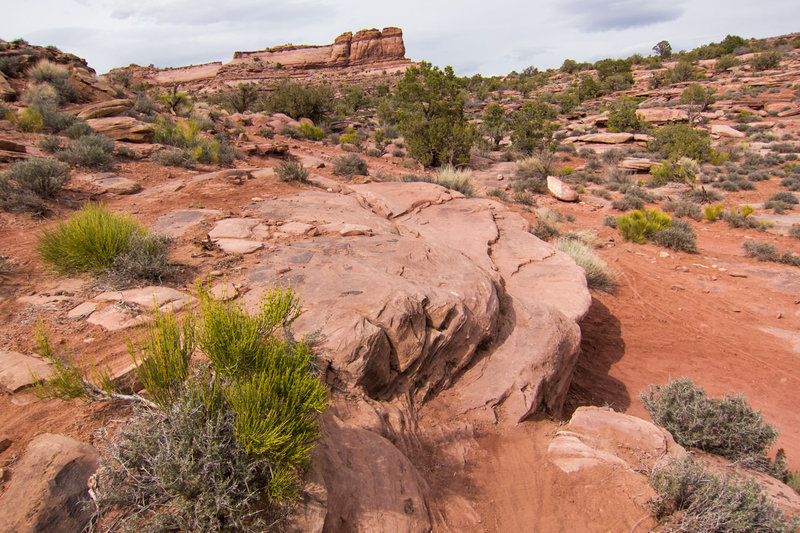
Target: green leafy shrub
(726, 62)
(90, 151)
(349, 166)
(683, 71)
(622, 116)
(29, 120)
(298, 101)
(727, 426)
(241, 98)
(42, 177)
(532, 127)
(456, 179)
(598, 274)
(679, 140)
(292, 171)
(311, 132)
(766, 60)
(88, 242)
(639, 226)
(689, 498)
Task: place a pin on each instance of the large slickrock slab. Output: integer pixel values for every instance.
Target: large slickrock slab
(48, 492)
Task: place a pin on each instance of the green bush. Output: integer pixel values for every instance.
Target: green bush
(532, 127)
(241, 98)
(726, 62)
(727, 426)
(639, 226)
(679, 140)
(298, 101)
(683, 71)
(627, 202)
(456, 179)
(622, 116)
(90, 151)
(766, 60)
(88, 242)
(29, 120)
(598, 275)
(42, 177)
(763, 251)
(794, 232)
(174, 158)
(292, 171)
(689, 498)
(311, 132)
(349, 166)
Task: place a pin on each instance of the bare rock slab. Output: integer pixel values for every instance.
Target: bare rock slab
(727, 131)
(106, 182)
(233, 228)
(107, 108)
(176, 223)
(238, 246)
(48, 491)
(150, 297)
(17, 370)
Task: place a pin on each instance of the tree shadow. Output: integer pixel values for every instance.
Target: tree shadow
(602, 345)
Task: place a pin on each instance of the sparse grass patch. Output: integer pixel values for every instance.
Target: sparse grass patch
(47, 71)
(598, 274)
(547, 224)
(456, 179)
(349, 166)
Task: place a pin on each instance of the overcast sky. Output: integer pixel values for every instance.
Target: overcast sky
(486, 36)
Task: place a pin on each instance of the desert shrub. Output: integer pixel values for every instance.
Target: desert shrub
(683, 71)
(726, 62)
(727, 426)
(794, 232)
(349, 166)
(41, 95)
(50, 144)
(67, 93)
(176, 102)
(311, 132)
(530, 173)
(77, 129)
(456, 179)
(627, 202)
(678, 236)
(218, 448)
(217, 151)
(90, 151)
(532, 127)
(88, 241)
(638, 226)
(29, 120)
(684, 209)
(42, 177)
(292, 171)
(785, 197)
(500, 194)
(622, 116)
(240, 98)
(174, 158)
(547, 224)
(679, 140)
(9, 65)
(145, 105)
(692, 499)
(598, 275)
(46, 71)
(683, 170)
(703, 196)
(55, 121)
(766, 60)
(171, 133)
(298, 101)
(525, 198)
(144, 258)
(740, 218)
(266, 132)
(712, 212)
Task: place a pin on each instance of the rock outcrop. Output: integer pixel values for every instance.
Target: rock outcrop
(123, 129)
(48, 492)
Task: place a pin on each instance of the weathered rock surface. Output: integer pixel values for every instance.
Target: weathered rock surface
(48, 491)
(727, 131)
(637, 164)
(604, 138)
(107, 108)
(17, 370)
(602, 437)
(6, 91)
(11, 146)
(106, 182)
(660, 115)
(89, 87)
(560, 190)
(123, 129)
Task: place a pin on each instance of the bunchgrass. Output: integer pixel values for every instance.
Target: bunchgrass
(598, 274)
(88, 241)
(289, 171)
(456, 179)
(349, 166)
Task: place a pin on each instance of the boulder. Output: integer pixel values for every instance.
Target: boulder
(106, 108)
(123, 129)
(560, 190)
(637, 164)
(11, 146)
(90, 87)
(726, 131)
(7, 93)
(369, 484)
(48, 492)
(777, 107)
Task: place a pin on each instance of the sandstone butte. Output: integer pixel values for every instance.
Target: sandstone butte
(452, 339)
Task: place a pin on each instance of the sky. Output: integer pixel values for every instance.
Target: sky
(490, 37)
